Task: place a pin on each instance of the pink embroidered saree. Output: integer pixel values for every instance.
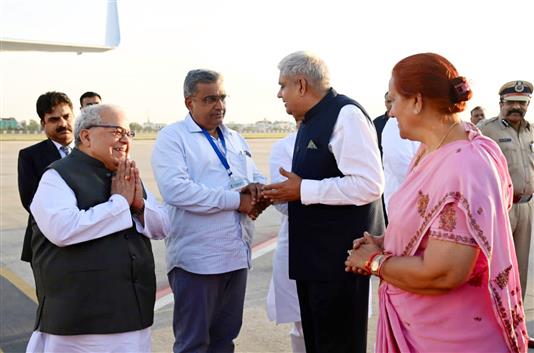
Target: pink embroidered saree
(462, 193)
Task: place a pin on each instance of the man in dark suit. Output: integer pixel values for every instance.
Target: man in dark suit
(55, 111)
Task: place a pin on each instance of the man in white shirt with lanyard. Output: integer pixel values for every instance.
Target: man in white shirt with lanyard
(210, 184)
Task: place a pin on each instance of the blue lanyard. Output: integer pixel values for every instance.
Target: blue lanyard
(222, 157)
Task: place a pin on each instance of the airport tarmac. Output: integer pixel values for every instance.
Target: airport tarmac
(17, 298)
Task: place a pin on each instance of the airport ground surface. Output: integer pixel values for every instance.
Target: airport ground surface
(258, 334)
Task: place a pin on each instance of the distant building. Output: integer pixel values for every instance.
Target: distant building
(264, 126)
(150, 126)
(153, 126)
(284, 126)
(9, 124)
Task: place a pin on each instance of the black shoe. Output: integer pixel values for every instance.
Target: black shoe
(530, 342)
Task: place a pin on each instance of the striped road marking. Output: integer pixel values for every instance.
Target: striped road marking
(164, 296)
(18, 282)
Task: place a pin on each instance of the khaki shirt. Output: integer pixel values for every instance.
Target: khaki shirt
(518, 148)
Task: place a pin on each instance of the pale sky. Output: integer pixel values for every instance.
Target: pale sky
(489, 42)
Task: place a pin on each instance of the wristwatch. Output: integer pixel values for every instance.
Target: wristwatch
(375, 264)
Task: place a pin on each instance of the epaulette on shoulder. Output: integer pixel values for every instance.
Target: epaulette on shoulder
(487, 121)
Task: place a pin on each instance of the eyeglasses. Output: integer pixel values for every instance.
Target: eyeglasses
(119, 132)
(210, 100)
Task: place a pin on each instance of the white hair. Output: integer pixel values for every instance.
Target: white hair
(307, 64)
(90, 116)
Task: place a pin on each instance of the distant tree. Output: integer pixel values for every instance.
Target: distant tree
(33, 126)
(235, 126)
(135, 127)
(23, 125)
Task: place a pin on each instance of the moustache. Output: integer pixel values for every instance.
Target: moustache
(61, 129)
(518, 111)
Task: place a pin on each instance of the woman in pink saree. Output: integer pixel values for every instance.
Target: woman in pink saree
(449, 279)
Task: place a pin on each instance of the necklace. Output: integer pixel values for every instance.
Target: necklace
(447, 134)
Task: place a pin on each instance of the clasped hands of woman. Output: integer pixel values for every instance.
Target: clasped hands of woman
(363, 250)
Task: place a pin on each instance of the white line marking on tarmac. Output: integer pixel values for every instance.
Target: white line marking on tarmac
(263, 248)
(257, 251)
(165, 300)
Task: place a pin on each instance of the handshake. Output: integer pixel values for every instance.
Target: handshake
(252, 202)
(256, 197)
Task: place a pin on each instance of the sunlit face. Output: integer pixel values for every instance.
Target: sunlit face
(402, 108)
(108, 144)
(514, 111)
(90, 101)
(208, 104)
(57, 124)
(477, 115)
(289, 93)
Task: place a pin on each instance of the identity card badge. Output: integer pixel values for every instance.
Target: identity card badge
(237, 183)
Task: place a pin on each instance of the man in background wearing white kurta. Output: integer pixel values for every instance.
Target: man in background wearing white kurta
(93, 260)
(282, 298)
(397, 156)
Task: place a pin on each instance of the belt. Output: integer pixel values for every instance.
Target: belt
(522, 198)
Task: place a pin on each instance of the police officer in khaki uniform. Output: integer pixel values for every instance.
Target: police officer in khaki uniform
(515, 136)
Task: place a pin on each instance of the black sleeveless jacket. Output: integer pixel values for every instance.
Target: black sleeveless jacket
(101, 286)
(320, 235)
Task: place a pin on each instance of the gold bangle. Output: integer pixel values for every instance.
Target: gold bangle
(375, 264)
(367, 265)
(381, 264)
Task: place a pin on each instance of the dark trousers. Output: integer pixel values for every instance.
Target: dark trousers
(208, 310)
(334, 315)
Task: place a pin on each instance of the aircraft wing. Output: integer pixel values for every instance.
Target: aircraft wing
(98, 39)
(26, 45)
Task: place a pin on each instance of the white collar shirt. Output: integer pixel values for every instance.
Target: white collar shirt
(58, 146)
(354, 144)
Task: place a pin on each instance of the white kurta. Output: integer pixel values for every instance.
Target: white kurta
(55, 210)
(354, 144)
(398, 153)
(282, 299)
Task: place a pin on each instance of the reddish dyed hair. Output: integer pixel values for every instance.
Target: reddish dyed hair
(435, 78)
